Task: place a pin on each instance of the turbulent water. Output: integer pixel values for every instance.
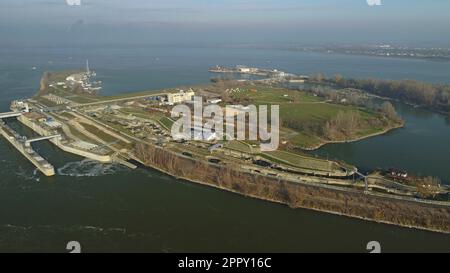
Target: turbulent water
(111, 208)
(88, 168)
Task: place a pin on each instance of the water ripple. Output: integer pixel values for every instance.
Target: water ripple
(88, 168)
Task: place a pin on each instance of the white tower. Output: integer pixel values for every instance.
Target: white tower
(87, 67)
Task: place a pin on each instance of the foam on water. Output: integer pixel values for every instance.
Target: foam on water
(88, 168)
(27, 175)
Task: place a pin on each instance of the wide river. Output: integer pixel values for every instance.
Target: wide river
(110, 208)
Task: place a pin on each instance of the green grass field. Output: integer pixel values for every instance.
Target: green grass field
(305, 162)
(239, 146)
(99, 133)
(166, 122)
(46, 102)
(67, 115)
(302, 107)
(273, 95)
(79, 135)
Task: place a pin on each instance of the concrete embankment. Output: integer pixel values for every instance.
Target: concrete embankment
(28, 152)
(41, 131)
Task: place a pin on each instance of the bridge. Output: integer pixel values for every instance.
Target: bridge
(366, 182)
(10, 114)
(29, 141)
(385, 184)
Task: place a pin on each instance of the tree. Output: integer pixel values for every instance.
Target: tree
(338, 78)
(45, 81)
(389, 111)
(318, 77)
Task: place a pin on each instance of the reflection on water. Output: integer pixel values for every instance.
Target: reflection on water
(421, 147)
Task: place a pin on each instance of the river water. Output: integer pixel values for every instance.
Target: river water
(110, 208)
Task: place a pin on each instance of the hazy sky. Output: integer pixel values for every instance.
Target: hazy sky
(224, 21)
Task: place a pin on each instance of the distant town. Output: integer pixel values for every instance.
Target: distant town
(376, 50)
(387, 50)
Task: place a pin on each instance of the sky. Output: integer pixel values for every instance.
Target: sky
(28, 22)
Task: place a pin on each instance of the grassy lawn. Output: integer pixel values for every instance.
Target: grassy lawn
(79, 135)
(370, 131)
(319, 112)
(194, 150)
(279, 95)
(304, 107)
(305, 140)
(297, 104)
(300, 161)
(99, 133)
(66, 114)
(166, 122)
(239, 146)
(59, 91)
(266, 94)
(46, 102)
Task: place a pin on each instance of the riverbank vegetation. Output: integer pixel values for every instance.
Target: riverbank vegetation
(432, 96)
(344, 202)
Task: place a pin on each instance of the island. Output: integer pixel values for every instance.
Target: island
(134, 129)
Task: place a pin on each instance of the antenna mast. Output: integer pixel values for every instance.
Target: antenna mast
(87, 67)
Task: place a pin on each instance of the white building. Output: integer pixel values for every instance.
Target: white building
(21, 106)
(75, 79)
(244, 69)
(182, 96)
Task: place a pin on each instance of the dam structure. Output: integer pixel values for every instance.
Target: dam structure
(22, 144)
(70, 136)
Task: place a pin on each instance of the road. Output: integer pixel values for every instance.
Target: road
(120, 99)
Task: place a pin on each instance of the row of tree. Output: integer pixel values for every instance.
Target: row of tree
(345, 124)
(411, 91)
